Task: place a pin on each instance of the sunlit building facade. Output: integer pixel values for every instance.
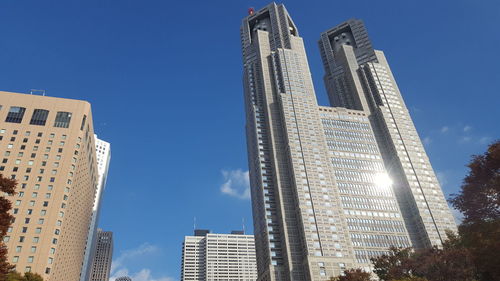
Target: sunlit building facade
(218, 257)
(324, 195)
(47, 144)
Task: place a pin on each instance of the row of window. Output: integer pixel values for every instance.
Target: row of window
(40, 116)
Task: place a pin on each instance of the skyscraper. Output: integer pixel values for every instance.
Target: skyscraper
(101, 262)
(123, 278)
(325, 196)
(359, 77)
(47, 144)
(103, 156)
(210, 257)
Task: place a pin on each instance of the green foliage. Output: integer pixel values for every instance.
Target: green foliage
(15, 276)
(28, 276)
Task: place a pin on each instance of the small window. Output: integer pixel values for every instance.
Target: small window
(83, 122)
(15, 114)
(62, 119)
(39, 117)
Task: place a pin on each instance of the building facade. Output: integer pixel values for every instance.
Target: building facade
(325, 195)
(123, 278)
(101, 262)
(210, 257)
(103, 156)
(359, 77)
(47, 144)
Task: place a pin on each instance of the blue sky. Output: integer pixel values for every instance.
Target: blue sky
(164, 80)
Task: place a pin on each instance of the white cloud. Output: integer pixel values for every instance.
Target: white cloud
(427, 140)
(119, 266)
(444, 129)
(467, 128)
(485, 140)
(236, 184)
(142, 250)
(465, 139)
(143, 275)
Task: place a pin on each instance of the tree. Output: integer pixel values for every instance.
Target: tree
(28, 276)
(353, 275)
(452, 263)
(395, 265)
(479, 197)
(479, 202)
(7, 186)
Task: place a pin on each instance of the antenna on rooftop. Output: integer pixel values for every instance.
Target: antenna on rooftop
(35, 91)
(194, 223)
(243, 222)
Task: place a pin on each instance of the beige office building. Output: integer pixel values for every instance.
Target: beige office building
(47, 145)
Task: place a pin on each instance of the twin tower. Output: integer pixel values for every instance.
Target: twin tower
(332, 186)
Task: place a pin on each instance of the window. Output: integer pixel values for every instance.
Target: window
(33, 249)
(15, 259)
(62, 119)
(39, 117)
(30, 259)
(83, 122)
(15, 114)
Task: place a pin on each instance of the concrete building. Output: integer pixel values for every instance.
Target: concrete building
(358, 77)
(103, 156)
(103, 256)
(123, 278)
(47, 144)
(209, 257)
(325, 195)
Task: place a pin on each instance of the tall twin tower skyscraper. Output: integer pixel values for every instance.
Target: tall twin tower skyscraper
(333, 186)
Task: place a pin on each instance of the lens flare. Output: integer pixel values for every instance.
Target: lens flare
(382, 180)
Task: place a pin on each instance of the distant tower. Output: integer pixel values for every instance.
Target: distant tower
(101, 264)
(123, 278)
(205, 253)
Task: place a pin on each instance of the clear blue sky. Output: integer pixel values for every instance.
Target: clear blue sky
(164, 80)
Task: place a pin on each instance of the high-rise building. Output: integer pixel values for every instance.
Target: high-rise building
(101, 262)
(358, 77)
(209, 257)
(123, 278)
(103, 156)
(47, 144)
(325, 195)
